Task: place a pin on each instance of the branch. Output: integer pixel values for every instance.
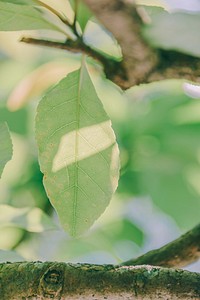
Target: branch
(173, 64)
(141, 63)
(179, 253)
(37, 280)
(122, 20)
(78, 46)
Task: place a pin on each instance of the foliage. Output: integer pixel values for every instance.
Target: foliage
(157, 128)
(173, 25)
(19, 17)
(77, 151)
(5, 146)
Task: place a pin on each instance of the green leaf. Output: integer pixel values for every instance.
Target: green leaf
(5, 146)
(83, 13)
(175, 31)
(30, 219)
(17, 120)
(78, 153)
(15, 17)
(24, 2)
(122, 230)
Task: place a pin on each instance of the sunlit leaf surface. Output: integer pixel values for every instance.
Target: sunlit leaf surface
(5, 146)
(174, 31)
(78, 153)
(15, 17)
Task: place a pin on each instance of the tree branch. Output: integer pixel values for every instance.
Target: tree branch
(179, 253)
(28, 280)
(122, 20)
(173, 64)
(141, 63)
(78, 46)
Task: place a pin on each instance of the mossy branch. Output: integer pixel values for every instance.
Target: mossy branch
(49, 280)
(177, 254)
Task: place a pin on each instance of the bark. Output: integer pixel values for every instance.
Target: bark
(179, 253)
(60, 281)
(141, 63)
(77, 46)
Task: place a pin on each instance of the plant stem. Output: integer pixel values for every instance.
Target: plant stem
(78, 46)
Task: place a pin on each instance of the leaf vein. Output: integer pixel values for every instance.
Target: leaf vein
(93, 147)
(54, 132)
(60, 104)
(92, 180)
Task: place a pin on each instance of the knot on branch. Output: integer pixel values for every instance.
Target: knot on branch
(51, 283)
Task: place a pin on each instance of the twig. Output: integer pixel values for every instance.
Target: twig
(78, 46)
(122, 20)
(141, 63)
(179, 253)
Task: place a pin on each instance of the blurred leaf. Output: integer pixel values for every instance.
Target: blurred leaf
(30, 219)
(29, 189)
(10, 256)
(160, 3)
(99, 38)
(10, 237)
(78, 153)
(5, 146)
(175, 31)
(36, 83)
(17, 121)
(83, 13)
(121, 230)
(163, 150)
(25, 2)
(106, 239)
(21, 17)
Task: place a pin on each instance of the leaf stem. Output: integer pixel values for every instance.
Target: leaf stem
(63, 19)
(55, 12)
(78, 46)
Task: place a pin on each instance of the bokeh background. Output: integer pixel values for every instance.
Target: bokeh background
(158, 132)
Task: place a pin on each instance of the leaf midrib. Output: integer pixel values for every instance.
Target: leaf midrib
(76, 165)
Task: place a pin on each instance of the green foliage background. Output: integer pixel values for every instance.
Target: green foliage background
(158, 132)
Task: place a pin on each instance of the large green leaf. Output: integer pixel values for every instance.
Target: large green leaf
(175, 31)
(5, 146)
(78, 153)
(15, 17)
